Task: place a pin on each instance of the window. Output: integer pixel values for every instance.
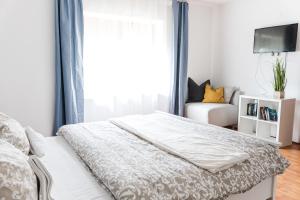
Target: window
(127, 57)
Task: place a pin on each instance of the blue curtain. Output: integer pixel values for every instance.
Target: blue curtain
(180, 14)
(69, 105)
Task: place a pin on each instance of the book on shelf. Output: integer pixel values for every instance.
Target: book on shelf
(268, 114)
(273, 115)
(252, 109)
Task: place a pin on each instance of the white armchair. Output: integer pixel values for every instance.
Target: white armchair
(212, 113)
(219, 114)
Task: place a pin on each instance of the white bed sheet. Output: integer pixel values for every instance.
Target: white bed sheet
(72, 180)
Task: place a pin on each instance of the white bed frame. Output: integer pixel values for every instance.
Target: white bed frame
(264, 190)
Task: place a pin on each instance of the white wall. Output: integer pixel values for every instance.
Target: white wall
(236, 64)
(27, 62)
(201, 17)
(219, 49)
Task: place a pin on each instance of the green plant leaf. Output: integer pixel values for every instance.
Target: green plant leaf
(279, 73)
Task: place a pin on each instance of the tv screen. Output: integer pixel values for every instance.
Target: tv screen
(276, 39)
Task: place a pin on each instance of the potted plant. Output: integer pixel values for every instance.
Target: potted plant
(280, 80)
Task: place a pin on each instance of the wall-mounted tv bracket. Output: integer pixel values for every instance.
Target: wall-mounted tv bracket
(273, 53)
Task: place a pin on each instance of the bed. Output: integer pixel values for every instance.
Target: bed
(129, 158)
(85, 186)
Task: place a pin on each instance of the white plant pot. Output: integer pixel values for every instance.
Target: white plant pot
(279, 95)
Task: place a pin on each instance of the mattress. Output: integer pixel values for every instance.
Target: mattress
(72, 179)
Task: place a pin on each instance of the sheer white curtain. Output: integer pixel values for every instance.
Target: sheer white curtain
(127, 57)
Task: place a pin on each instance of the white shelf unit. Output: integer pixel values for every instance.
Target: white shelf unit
(280, 131)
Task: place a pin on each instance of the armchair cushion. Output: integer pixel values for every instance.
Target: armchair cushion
(212, 113)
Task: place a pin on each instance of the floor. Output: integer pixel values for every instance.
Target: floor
(288, 184)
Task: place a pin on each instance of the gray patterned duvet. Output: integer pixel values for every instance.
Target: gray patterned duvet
(132, 168)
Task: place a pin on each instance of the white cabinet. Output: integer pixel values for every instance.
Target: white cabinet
(261, 124)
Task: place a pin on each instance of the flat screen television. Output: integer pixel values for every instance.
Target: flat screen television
(276, 39)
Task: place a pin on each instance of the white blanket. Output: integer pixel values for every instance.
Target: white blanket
(190, 141)
(44, 177)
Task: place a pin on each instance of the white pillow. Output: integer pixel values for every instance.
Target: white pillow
(37, 142)
(228, 92)
(12, 132)
(17, 179)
